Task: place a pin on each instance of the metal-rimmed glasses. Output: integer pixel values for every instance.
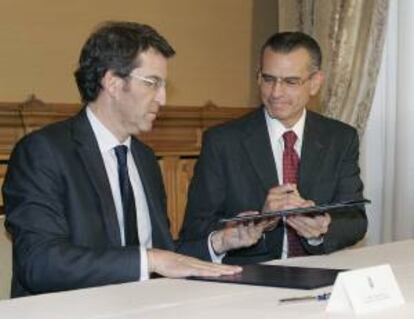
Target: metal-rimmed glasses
(288, 81)
(151, 82)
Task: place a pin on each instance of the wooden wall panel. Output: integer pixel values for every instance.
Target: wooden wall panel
(184, 171)
(175, 139)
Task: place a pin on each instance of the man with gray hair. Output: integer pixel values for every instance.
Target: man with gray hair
(279, 156)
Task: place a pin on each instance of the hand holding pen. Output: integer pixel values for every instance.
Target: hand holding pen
(287, 197)
(283, 197)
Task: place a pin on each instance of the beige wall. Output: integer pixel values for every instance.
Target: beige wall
(41, 39)
(264, 24)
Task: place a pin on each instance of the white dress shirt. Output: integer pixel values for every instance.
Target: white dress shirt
(107, 142)
(276, 130)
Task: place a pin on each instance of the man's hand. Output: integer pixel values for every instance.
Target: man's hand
(238, 234)
(284, 197)
(287, 197)
(310, 227)
(170, 264)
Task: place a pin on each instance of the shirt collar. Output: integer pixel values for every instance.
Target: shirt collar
(106, 140)
(277, 129)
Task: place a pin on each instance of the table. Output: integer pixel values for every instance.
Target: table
(181, 298)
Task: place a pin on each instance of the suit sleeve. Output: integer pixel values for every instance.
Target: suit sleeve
(347, 226)
(45, 258)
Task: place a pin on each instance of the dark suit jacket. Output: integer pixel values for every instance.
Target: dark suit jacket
(236, 169)
(60, 211)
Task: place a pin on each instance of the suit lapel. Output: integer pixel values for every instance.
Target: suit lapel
(259, 150)
(152, 189)
(313, 153)
(88, 150)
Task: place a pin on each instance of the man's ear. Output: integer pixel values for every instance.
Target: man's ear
(316, 82)
(111, 84)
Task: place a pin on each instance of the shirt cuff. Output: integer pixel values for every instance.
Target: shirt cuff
(315, 241)
(214, 257)
(144, 263)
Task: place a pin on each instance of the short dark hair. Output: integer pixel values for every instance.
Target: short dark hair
(286, 42)
(114, 46)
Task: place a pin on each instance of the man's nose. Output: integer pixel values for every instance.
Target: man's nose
(278, 87)
(161, 96)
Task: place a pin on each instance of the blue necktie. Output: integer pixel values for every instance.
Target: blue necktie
(127, 194)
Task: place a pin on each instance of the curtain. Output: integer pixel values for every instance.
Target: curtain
(351, 35)
(387, 159)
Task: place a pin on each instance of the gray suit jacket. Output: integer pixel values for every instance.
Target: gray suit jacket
(236, 169)
(61, 215)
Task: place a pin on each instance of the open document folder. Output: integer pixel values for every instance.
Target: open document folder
(317, 209)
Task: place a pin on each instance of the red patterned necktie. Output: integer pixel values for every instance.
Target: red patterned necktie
(290, 173)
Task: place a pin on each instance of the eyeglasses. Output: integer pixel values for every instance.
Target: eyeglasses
(151, 82)
(289, 81)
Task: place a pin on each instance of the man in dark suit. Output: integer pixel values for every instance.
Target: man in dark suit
(248, 164)
(84, 198)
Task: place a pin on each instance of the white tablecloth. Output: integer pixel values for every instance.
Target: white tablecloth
(180, 298)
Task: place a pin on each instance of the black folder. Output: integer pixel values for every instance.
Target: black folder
(317, 209)
(279, 276)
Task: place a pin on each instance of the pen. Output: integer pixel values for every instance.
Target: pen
(321, 297)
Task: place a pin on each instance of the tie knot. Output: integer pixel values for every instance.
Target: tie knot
(121, 154)
(289, 138)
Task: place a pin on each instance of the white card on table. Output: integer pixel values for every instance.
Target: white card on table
(365, 290)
